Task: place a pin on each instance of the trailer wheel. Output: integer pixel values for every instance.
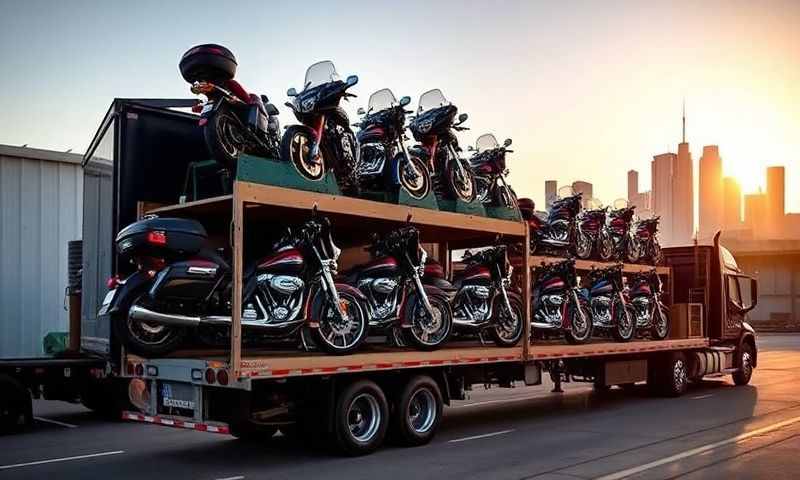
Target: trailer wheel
(418, 413)
(670, 377)
(360, 418)
(16, 408)
(745, 362)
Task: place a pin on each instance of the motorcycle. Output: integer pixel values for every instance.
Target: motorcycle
(385, 163)
(652, 316)
(233, 120)
(324, 140)
(646, 247)
(180, 284)
(558, 231)
(488, 164)
(397, 301)
(616, 239)
(481, 295)
(609, 309)
(559, 305)
(438, 148)
(590, 224)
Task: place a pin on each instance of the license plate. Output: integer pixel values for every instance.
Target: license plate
(177, 396)
(107, 302)
(207, 108)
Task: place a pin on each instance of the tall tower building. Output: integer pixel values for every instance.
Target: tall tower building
(732, 201)
(661, 193)
(711, 210)
(755, 214)
(550, 193)
(683, 193)
(633, 186)
(776, 207)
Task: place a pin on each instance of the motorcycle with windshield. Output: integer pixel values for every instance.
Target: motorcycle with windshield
(434, 128)
(616, 241)
(324, 140)
(233, 120)
(645, 245)
(611, 313)
(481, 295)
(397, 301)
(590, 224)
(644, 293)
(488, 164)
(559, 306)
(557, 232)
(385, 165)
(181, 285)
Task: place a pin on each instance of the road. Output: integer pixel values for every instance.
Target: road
(716, 430)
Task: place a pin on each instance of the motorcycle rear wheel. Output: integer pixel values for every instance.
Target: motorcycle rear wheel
(224, 137)
(296, 149)
(507, 329)
(352, 330)
(418, 334)
(144, 338)
(461, 188)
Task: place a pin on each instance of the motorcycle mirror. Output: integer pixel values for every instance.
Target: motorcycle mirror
(471, 148)
(352, 80)
(507, 142)
(361, 111)
(291, 92)
(405, 101)
(463, 118)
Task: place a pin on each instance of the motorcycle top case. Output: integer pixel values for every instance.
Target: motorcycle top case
(161, 237)
(208, 62)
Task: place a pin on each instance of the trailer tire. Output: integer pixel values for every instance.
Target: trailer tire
(360, 418)
(15, 405)
(744, 361)
(418, 412)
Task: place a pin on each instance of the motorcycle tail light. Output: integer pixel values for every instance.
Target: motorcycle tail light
(202, 87)
(211, 377)
(112, 282)
(157, 237)
(222, 377)
(197, 108)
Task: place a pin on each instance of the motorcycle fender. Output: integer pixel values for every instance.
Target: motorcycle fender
(127, 292)
(430, 290)
(317, 299)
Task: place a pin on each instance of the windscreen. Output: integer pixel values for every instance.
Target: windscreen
(566, 191)
(381, 100)
(594, 204)
(620, 203)
(486, 142)
(320, 73)
(431, 99)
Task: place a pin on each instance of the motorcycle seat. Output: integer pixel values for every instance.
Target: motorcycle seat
(442, 284)
(212, 256)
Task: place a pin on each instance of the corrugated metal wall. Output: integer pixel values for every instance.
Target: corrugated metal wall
(40, 211)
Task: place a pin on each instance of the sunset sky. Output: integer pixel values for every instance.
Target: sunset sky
(587, 90)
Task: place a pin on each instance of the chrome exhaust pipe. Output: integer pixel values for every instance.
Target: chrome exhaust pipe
(142, 314)
(544, 326)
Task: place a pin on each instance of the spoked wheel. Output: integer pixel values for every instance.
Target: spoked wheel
(428, 332)
(581, 324)
(624, 322)
(583, 246)
(658, 256)
(341, 333)
(633, 251)
(605, 246)
(507, 329)
(660, 329)
(419, 412)
(296, 147)
(361, 418)
(413, 175)
(461, 182)
(224, 137)
(145, 338)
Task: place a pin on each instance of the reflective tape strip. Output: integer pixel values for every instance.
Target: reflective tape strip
(169, 422)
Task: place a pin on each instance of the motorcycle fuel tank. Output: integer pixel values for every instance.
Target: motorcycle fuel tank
(288, 261)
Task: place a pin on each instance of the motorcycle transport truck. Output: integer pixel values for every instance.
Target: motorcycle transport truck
(253, 390)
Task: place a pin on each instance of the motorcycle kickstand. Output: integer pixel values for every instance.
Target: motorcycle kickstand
(303, 342)
(483, 340)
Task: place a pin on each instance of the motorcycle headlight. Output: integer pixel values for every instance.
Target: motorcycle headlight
(424, 126)
(308, 104)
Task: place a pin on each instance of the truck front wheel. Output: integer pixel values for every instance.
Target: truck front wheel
(360, 417)
(745, 362)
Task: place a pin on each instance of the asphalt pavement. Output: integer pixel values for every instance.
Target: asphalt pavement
(716, 430)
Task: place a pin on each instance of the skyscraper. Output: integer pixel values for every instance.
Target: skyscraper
(755, 214)
(683, 196)
(711, 210)
(732, 201)
(776, 207)
(633, 186)
(550, 193)
(661, 192)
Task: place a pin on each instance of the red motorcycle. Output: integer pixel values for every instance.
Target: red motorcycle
(645, 245)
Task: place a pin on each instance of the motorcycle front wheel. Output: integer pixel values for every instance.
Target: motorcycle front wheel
(580, 325)
(633, 251)
(605, 246)
(296, 147)
(624, 327)
(224, 137)
(507, 328)
(426, 332)
(583, 246)
(660, 329)
(657, 256)
(413, 175)
(461, 182)
(147, 339)
(339, 335)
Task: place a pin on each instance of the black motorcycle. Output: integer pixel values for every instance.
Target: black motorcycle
(616, 242)
(397, 301)
(434, 128)
(652, 316)
(610, 310)
(385, 164)
(557, 233)
(481, 295)
(324, 141)
(233, 120)
(590, 224)
(488, 164)
(179, 284)
(559, 306)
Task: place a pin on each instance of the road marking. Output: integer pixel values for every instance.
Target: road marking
(698, 450)
(239, 477)
(700, 397)
(55, 422)
(63, 459)
(476, 437)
